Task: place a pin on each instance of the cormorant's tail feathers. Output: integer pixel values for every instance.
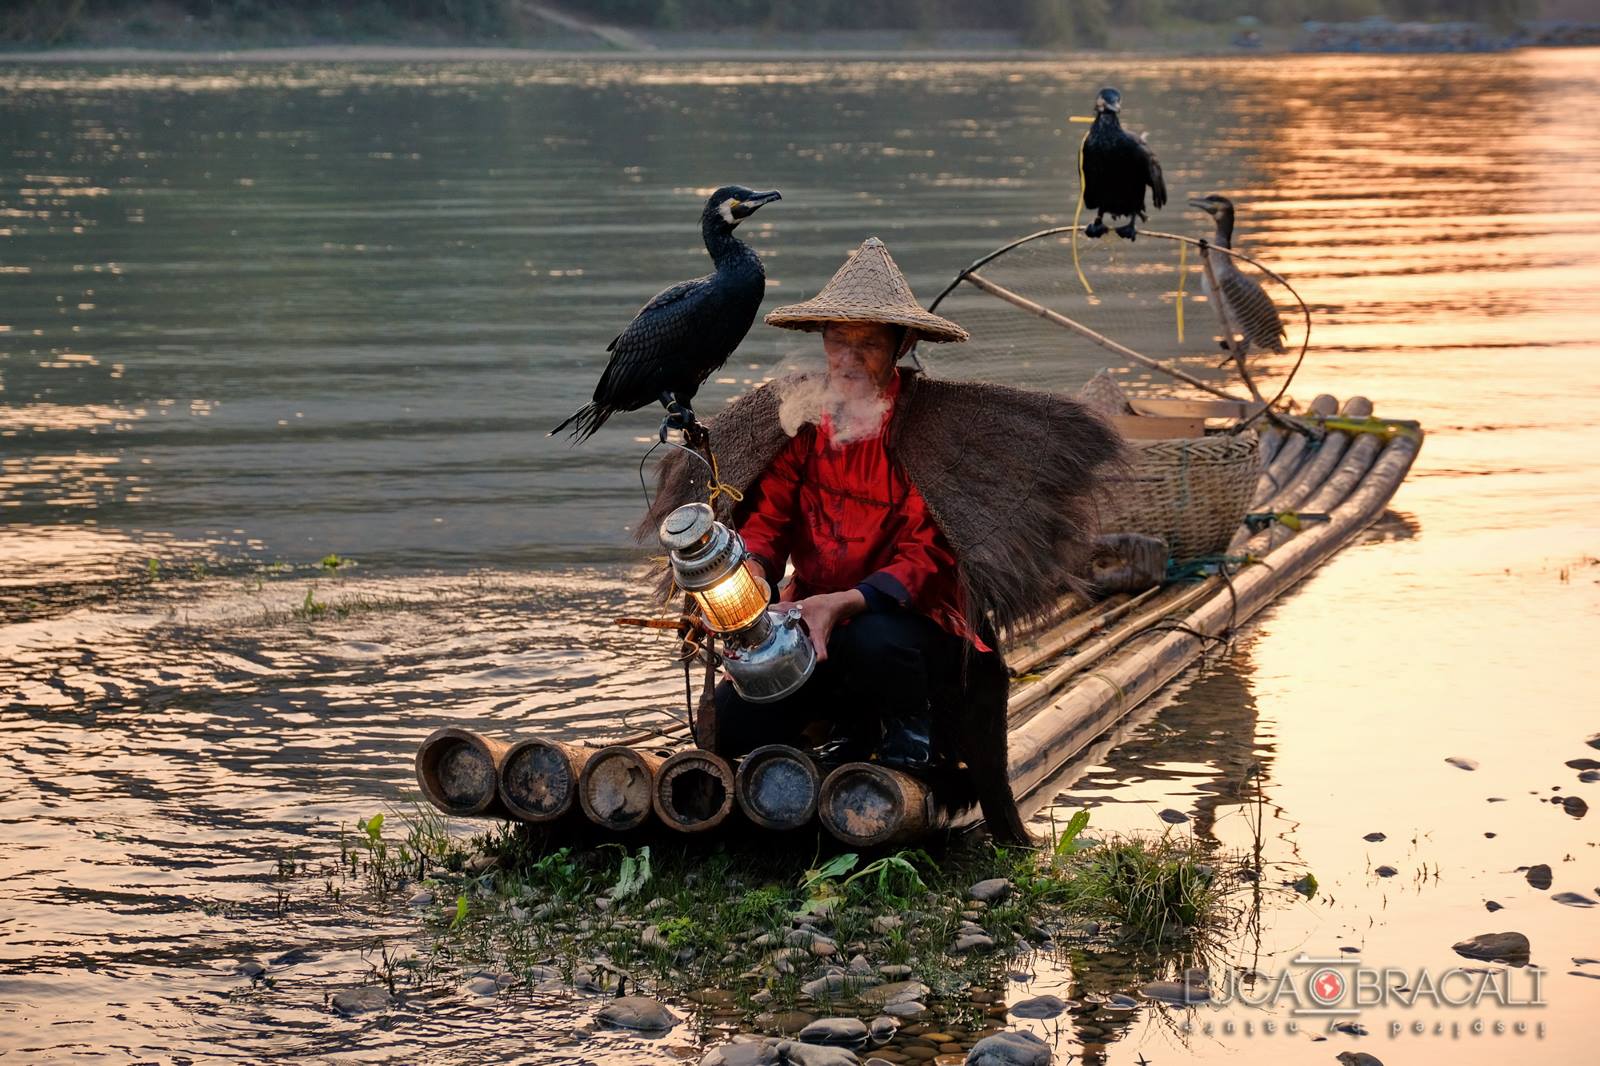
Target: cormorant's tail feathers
(584, 421)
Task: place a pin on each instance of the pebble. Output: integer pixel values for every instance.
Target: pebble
(822, 947)
(1463, 762)
(251, 968)
(1491, 906)
(421, 898)
(850, 1031)
(886, 923)
(834, 984)
(1540, 877)
(1375, 837)
(1495, 947)
(972, 942)
(895, 969)
(786, 1022)
(1040, 1007)
(1583, 764)
(1173, 817)
(1358, 1058)
(1386, 871)
(860, 965)
(1009, 1049)
(293, 956)
(898, 992)
(1180, 993)
(1594, 741)
(992, 890)
(653, 938)
(637, 1012)
(1573, 899)
(1575, 806)
(918, 1052)
(482, 985)
(361, 1000)
(908, 1008)
(882, 1027)
(1589, 777)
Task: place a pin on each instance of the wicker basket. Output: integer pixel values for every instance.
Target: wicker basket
(1192, 492)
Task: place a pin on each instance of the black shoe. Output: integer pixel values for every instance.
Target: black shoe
(841, 748)
(907, 744)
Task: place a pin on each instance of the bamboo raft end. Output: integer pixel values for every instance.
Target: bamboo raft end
(693, 791)
(616, 786)
(457, 770)
(865, 804)
(777, 787)
(539, 782)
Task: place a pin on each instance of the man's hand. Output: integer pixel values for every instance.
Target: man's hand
(822, 612)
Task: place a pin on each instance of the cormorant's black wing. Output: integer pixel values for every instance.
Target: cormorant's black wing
(1252, 310)
(656, 346)
(1158, 183)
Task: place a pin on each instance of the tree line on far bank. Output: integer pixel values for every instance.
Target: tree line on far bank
(1038, 22)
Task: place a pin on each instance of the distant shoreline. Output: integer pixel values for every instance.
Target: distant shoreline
(385, 53)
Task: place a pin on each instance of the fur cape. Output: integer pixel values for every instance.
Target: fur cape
(1013, 479)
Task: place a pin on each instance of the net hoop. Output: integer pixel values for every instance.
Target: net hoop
(1270, 407)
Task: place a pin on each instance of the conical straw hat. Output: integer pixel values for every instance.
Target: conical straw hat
(868, 288)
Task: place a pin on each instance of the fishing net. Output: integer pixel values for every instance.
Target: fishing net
(1051, 310)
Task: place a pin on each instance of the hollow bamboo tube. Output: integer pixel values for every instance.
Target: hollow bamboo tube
(1278, 473)
(539, 779)
(1349, 473)
(777, 787)
(693, 791)
(1307, 477)
(616, 785)
(864, 805)
(1017, 300)
(459, 771)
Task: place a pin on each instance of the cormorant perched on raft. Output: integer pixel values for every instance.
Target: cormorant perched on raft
(1116, 168)
(1249, 308)
(686, 332)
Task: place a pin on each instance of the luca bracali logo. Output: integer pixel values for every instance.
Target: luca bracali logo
(1334, 995)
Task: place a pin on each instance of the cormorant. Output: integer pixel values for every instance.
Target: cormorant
(1116, 168)
(686, 332)
(1249, 308)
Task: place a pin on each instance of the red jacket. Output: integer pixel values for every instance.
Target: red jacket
(848, 517)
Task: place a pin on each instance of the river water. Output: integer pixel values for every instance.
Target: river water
(257, 314)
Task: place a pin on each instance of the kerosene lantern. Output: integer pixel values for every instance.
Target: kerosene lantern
(766, 653)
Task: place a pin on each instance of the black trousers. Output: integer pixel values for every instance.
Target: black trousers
(881, 666)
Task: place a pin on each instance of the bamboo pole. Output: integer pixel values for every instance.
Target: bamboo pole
(1048, 645)
(1040, 747)
(777, 787)
(1301, 482)
(616, 786)
(459, 771)
(865, 804)
(1017, 300)
(1175, 599)
(539, 779)
(1350, 471)
(693, 791)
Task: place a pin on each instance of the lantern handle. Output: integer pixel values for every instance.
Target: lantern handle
(643, 487)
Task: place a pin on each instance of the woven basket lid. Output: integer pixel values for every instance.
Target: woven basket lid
(868, 288)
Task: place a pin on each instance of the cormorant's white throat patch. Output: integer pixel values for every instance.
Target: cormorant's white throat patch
(725, 209)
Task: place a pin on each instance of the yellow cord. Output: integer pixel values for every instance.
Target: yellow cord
(1078, 214)
(717, 487)
(1183, 276)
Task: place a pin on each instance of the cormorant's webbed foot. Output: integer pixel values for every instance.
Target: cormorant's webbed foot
(1095, 230)
(680, 416)
(1128, 233)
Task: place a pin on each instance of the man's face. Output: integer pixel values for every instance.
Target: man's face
(860, 355)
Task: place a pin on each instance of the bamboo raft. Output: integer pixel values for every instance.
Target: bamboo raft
(1325, 478)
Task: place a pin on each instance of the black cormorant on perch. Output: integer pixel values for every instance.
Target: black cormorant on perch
(1249, 309)
(1116, 168)
(686, 332)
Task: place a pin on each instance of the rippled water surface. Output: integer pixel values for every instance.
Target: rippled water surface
(257, 314)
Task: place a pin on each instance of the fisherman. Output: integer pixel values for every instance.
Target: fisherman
(920, 518)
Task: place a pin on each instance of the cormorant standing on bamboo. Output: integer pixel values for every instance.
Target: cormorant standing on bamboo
(1248, 307)
(1116, 168)
(686, 332)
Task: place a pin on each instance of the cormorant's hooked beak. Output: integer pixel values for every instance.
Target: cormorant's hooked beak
(1101, 103)
(1205, 205)
(743, 209)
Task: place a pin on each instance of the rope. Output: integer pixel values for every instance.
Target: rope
(1256, 521)
(1386, 428)
(716, 485)
(1077, 214)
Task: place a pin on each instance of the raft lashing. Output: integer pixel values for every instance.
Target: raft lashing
(1324, 478)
